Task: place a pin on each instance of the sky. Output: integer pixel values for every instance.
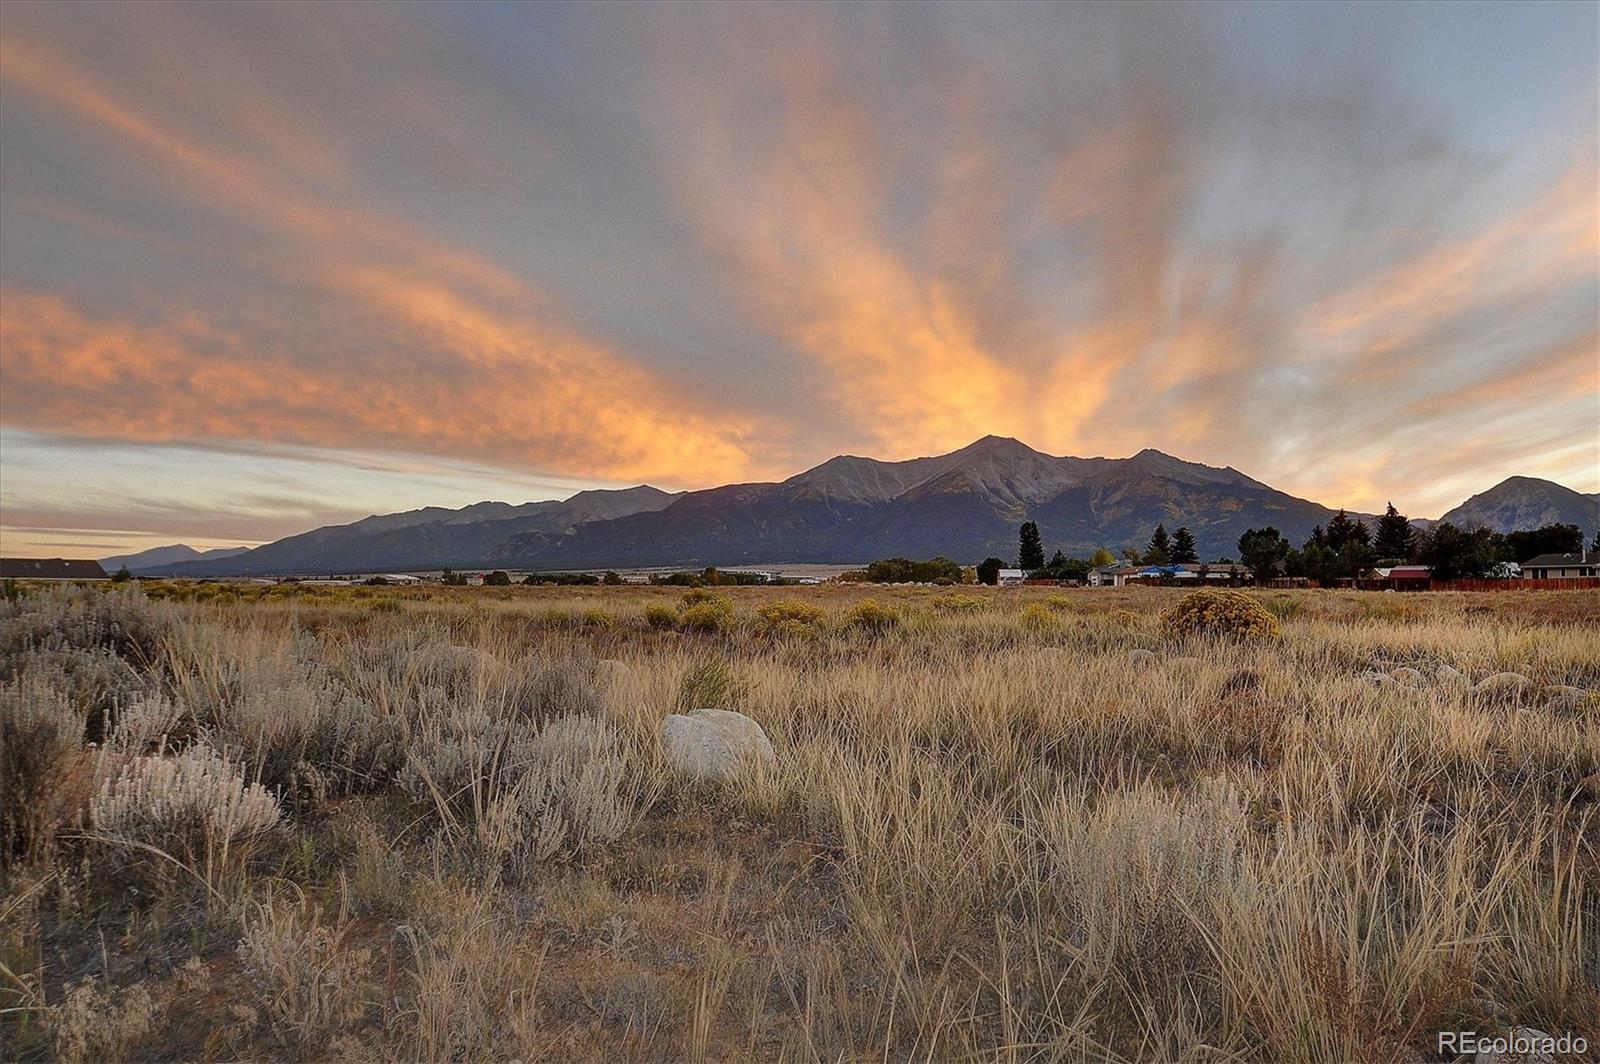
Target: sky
(270, 267)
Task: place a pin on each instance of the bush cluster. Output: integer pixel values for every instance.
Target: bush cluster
(872, 617)
(789, 617)
(1216, 611)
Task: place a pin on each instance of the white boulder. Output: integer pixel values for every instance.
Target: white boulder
(711, 743)
(1502, 683)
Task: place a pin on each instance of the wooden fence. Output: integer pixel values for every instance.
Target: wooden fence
(1572, 584)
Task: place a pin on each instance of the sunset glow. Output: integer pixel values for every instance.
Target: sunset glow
(268, 267)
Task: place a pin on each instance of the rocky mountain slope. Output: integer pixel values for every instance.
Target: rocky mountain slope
(1528, 502)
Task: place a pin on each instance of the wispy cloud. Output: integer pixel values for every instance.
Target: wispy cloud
(702, 244)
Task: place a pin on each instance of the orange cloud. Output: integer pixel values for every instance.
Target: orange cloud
(522, 396)
(499, 386)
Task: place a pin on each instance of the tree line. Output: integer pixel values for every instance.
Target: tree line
(1348, 549)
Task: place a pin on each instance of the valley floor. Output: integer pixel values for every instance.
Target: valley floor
(437, 824)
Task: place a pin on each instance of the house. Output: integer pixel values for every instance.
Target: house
(51, 569)
(1183, 573)
(1562, 566)
(1102, 576)
(1400, 578)
(1011, 577)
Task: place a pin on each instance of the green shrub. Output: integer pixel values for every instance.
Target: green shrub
(960, 603)
(713, 616)
(701, 596)
(870, 616)
(1220, 612)
(789, 617)
(1039, 619)
(708, 685)
(598, 620)
(658, 615)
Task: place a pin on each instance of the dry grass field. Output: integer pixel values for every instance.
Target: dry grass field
(437, 824)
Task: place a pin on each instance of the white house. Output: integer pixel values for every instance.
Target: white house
(1012, 577)
(1562, 566)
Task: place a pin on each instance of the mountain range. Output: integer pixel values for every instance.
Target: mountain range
(966, 505)
(158, 556)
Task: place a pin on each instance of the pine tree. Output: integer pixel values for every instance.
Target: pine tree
(1160, 550)
(1396, 538)
(1183, 549)
(1030, 548)
(1341, 530)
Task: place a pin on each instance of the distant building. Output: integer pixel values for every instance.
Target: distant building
(1180, 573)
(1561, 566)
(1103, 576)
(51, 569)
(1011, 577)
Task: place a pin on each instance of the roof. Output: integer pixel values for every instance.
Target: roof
(1547, 561)
(51, 569)
(1011, 572)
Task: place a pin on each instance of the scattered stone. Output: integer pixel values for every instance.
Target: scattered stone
(711, 743)
(1142, 657)
(1524, 1045)
(1562, 696)
(1407, 675)
(1502, 683)
(1373, 676)
(1447, 675)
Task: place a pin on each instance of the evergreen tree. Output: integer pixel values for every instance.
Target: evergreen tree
(1264, 551)
(1396, 538)
(121, 576)
(1183, 549)
(1030, 548)
(1058, 561)
(1341, 530)
(1160, 550)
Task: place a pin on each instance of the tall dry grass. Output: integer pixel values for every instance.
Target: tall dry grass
(990, 832)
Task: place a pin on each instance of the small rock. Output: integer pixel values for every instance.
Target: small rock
(1561, 696)
(1502, 683)
(1373, 676)
(1524, 1045)
(1407, 675)
(1141, 657)
(711, 743)
(1447, 675)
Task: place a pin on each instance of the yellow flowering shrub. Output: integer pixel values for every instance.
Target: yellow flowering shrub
(1219, 611)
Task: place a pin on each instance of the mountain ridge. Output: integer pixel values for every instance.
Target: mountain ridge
(965, 504)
